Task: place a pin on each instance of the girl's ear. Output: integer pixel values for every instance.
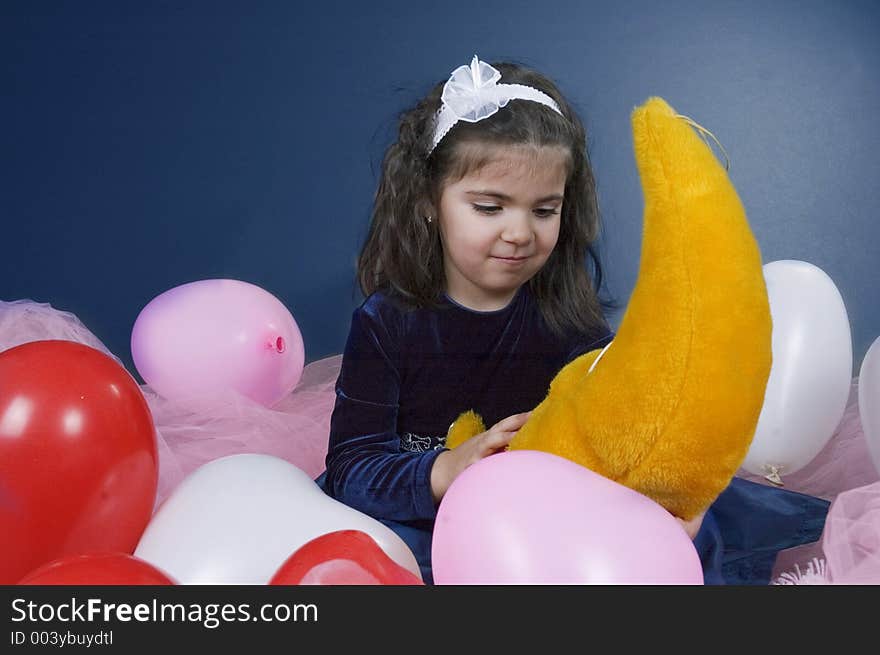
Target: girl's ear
(426, 208)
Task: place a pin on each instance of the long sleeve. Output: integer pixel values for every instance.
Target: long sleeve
(366, 468)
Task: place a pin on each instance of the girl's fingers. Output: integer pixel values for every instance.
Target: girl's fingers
(514, 422)
(498, 438)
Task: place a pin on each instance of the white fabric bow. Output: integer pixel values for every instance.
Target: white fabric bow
(472, 93)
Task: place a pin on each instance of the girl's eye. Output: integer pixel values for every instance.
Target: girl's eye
(494, 209)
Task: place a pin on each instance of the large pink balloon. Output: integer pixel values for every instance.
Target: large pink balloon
(529, 517)
(212, 336)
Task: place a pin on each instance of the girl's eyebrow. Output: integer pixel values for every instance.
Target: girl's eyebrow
(502, 196)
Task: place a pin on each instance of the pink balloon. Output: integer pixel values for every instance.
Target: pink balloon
(529, 517)
(208, 337)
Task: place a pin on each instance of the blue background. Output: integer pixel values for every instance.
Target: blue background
(145, 145)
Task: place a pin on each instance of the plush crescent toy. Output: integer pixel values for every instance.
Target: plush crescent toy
(670, 407)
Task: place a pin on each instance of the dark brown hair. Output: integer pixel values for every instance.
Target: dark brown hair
(402, 254)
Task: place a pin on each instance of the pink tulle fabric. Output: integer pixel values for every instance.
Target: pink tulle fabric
(295, 429)
(849, 551)
(844, 473)
(23, 321)
(851, 541)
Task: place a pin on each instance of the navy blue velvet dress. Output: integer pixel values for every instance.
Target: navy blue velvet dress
(405, 374)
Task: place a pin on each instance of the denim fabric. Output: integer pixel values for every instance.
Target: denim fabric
(747, 526)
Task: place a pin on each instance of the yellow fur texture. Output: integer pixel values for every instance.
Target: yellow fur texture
(466, 426)
(671, 407)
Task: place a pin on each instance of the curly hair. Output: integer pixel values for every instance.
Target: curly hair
(403, 255)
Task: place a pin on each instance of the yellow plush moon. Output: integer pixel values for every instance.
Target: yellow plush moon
(671, 406)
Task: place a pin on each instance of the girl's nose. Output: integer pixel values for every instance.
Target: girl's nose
(517, 230)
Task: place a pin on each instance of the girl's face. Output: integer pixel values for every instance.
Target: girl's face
(499, 224)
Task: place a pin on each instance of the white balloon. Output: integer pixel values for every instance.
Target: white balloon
(811, 372)
(236, 519)
(869, 400)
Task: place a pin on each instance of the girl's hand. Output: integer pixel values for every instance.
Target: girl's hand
(450, 463)
(692, 527)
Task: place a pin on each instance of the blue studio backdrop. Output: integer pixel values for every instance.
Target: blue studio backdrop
(145, 145)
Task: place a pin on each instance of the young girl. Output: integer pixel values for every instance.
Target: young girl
(480, 279)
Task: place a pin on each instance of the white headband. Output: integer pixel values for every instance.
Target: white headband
(472, 94)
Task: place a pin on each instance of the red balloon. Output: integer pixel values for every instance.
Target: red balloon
(343, 557)
(97, 569)
(78, 460)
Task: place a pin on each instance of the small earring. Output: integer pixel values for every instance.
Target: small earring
(429, 218)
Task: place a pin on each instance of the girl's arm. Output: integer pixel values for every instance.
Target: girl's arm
(365, 467)
(692, 527)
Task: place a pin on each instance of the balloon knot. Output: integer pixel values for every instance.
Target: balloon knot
(773, 475)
